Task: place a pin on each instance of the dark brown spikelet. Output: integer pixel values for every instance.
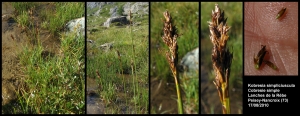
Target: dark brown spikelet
(221, 56)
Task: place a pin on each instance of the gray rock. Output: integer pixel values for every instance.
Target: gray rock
(90, 41)
(190, 62)
(136, 7)
(97, 4)
(97, 13)
(77, 26)
(100, 5)
(106, 46)
(113, 11)
(121, 19)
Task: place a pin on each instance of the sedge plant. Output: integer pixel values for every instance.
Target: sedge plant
(170, 39)
(221, 56)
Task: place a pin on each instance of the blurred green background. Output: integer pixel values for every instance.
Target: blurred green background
(210, 102)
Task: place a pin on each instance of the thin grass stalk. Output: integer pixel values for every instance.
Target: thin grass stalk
(170, 39)
(133, 58)
(123, 78)
(221, 56)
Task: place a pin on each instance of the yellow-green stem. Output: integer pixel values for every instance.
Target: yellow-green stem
(227, 105)
(179, 101)
(225, 99)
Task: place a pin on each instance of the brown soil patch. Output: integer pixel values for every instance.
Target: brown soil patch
(163, 97)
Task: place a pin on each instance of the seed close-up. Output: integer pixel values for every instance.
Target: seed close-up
(280, 13)
(259, 59)
(260, 56)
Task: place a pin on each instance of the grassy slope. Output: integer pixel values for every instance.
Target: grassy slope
(109, 65)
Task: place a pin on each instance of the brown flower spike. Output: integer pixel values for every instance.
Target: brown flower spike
(221, 56)
(170, 39)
